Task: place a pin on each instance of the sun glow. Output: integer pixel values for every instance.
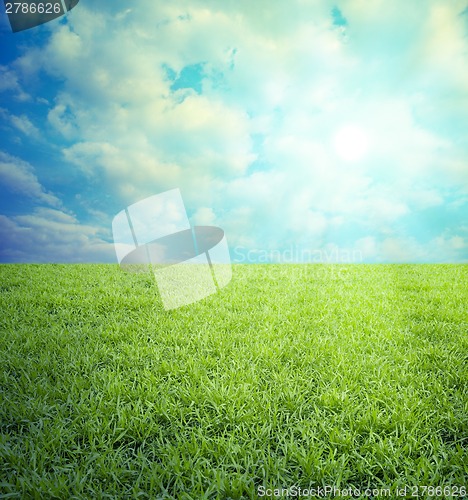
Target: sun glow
(351, 143)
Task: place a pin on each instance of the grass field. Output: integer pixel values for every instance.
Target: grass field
(293, 375)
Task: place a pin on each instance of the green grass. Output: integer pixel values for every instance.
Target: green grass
(293, 375)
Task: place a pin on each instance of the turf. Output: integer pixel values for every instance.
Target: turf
(344, 375)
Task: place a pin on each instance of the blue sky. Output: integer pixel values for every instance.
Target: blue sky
(337, 130)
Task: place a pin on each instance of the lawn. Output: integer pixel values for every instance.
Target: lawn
(293, 375)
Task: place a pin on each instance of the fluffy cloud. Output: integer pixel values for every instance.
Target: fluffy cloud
(18, 176)
(9, 83)
(440, 249)
(49, 235)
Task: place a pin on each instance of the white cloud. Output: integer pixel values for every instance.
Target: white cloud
(425, 198)
(49, 235)
(9, 83)
(19, 177)
(23, 124)
(441, 249)
(204, 216)
(62, 120)
(170, 146)
(457, 243)
(368, 247)
(400, 250)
